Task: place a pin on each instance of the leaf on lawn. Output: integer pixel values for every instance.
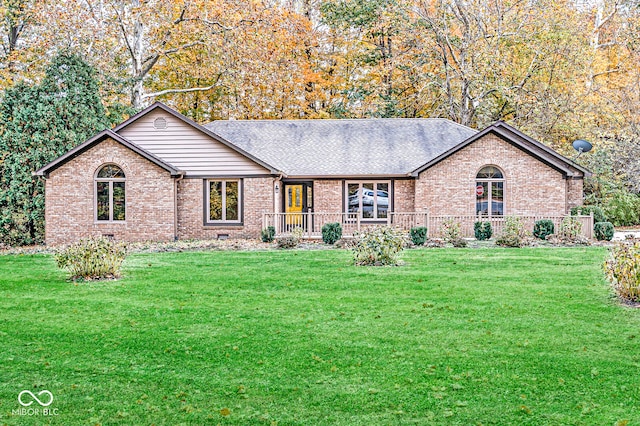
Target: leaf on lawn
(225, 412)
(525, 409)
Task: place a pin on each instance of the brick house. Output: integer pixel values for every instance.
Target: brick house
(160, 176)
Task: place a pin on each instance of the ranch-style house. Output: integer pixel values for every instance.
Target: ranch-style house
(160, 176)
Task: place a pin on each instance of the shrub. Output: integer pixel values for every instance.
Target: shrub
(513, 234)
(331, 232)
(598, 213)
(418, 235)
(268, 234)
(603, 231)
(287, 242)
(379, 246)
(623, 208)
(543, 228)
(291, 241)
(451, 234)
(92, 258)
(622, 269)
(482, 230)
(569, 229)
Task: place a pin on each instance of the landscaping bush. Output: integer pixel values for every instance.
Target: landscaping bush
(268, 234)
(331, 232)
(569, 230)
(622, 269)
(379, 246)
(623, 208)
(513, 234)
(543, 228)
(482, 230)
(291, 241)
(451, 234)
(287, 242)
(418, 235)
(598, 213)
(92, 258)
(603, 231)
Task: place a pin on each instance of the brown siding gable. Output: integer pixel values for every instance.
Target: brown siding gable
(198, 127)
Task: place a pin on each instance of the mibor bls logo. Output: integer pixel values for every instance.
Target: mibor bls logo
(43, 398)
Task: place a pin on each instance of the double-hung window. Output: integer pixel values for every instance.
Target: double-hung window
(369, 199)
(224, 201)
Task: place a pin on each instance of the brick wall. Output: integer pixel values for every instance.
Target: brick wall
(575, 193)
(327, 196)
(531, 187)
(258, 198)
(404, 196)
(69, 206)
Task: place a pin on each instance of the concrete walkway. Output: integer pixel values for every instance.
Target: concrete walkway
(621, 235)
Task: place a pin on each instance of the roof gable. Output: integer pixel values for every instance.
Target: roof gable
(520, 140)
(173, 149)
(105, 134)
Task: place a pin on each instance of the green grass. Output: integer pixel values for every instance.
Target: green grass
(492, 337)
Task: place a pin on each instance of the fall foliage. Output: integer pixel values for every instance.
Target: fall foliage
(557, 69)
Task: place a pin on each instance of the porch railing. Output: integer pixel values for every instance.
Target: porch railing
(310, 224)
(497, 224)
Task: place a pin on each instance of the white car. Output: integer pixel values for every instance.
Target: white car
(367, 198)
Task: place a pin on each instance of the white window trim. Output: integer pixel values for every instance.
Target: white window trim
(97, 180)
(375, 198)
(490, 194)
(224, 202)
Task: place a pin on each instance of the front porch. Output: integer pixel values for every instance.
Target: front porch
(311, 223)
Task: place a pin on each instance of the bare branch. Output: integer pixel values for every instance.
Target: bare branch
(192, 89)
(167, 91)
(124, 31)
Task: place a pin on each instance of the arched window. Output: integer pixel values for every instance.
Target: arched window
(110, 194)
(490, 192)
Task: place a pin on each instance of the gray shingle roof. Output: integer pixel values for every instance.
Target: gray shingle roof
(391, 146)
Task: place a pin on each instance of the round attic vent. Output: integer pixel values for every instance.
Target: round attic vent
(160, 123)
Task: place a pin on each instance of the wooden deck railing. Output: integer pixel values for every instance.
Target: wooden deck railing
(497, 224)
(310, 224)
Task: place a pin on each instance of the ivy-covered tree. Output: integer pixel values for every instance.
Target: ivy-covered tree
(37, 124)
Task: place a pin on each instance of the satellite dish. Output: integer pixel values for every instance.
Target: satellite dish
(581, 145)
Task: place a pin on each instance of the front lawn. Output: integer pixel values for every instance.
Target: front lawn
(492, 337)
